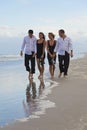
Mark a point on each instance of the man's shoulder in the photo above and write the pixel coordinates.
(59, 38)
(34, 37)
(68, 38)
(25, 37)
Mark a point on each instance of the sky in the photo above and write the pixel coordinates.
(18, 16)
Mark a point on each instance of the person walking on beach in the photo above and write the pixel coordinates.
(41, 54)
(29, 43)
(51, 43)
(65, 50)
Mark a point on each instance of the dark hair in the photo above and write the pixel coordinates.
(30, 32)
(52, 34)
(61, 31)
(42, 34)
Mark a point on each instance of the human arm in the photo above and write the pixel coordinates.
(35, 47)
(22, 48)
(56, 48)
(44, 45)
(48, 49)
(70, 48)
(72, 53)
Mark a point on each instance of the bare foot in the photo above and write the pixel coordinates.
(30, 76)
(65, 76)
(52, 76)
(39, 76)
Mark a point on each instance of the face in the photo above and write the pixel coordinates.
(50, 36)
(30, 35)
(40, 36)
(61, 34)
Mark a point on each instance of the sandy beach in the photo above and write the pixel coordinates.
(70, 98)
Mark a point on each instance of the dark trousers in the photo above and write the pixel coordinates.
(64, 63)
(30, 63)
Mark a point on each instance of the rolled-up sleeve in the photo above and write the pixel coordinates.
(23, 45)
(56, 47)
(35, 45)
(70, 45)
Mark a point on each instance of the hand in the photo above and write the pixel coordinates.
(42, 56)
(51, 56)
(71, 54)
(54, 55)
(33, 56)
(21, 53)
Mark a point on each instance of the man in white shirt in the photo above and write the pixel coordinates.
(65, 50)
(29, 44)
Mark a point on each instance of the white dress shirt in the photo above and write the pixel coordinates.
(63, 45)
(29, 44)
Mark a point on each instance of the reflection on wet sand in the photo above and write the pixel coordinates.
(32, 93)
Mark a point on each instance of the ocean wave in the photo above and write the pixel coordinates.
(6, 58)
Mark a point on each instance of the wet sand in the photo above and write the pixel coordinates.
(70, 98)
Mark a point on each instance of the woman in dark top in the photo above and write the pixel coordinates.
(51, 43)
(41, 54)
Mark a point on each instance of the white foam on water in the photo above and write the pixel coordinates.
(48, 90)
(43, 105)
(22, 120)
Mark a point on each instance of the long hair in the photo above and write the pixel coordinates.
(42, 34)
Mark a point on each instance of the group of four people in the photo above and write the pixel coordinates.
(35, 49)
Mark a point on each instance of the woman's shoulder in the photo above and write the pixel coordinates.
(38, 41)
(55, 42)
(48, 41)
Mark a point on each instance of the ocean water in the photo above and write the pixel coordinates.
(19, 99)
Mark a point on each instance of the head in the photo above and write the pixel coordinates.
(41, 35)
(51, 35)
(61, 33)
(30, 33)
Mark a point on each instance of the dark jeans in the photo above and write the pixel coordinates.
(30, 60)
(64, 63)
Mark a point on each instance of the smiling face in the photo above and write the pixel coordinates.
(40, 35)
(51, 36)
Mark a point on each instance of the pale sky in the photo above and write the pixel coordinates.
(17, 16)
